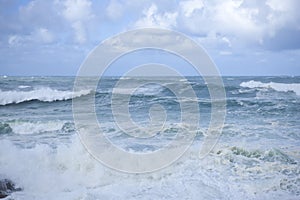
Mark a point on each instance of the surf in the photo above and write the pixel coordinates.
(42, 94)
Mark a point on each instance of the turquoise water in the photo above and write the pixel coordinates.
(257, 155)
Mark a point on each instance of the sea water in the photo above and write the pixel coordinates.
(257, 155)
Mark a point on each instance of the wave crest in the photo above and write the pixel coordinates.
(280, 87)
(42, 94)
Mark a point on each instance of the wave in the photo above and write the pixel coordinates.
(42, 94)
(257, 165)
(24, 86)
(147, 90)
(25, 128)
(67, 168)
(69, 172)
(273, 155)
(280, 87)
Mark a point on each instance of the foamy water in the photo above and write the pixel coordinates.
(257, 156)
(281, 87)
(41, 94)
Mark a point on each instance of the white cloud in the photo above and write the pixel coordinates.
(225, 53)
(40, 13)
(39, 35)
(221, 24)
(14, 40)
(237, 26)
(246, 21)
(80, 32)
(41, 21)
(188, 7)
(114, 10)
(227, 41)
(44, 35)
(78, 12)
(282, 14)
(232, 18)
(278, 5)
(152, 18)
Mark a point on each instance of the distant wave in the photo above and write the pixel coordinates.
(23, 86)
(281, 87)
(42, 94)
(147, 90)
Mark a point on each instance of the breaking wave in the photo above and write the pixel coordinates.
(280, 87)
(42, 94)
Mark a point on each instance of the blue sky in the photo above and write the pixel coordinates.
(243, 37)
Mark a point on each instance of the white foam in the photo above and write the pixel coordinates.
(69, 172)
(41, 94)
(45, 173)
(37, 127)
(143, 90)
(23, 86)
(281, 87)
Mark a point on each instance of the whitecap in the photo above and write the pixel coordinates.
(24, 128)
(41, 94)
(23, 86)
(280, 87)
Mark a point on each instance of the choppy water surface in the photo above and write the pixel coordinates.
(257, 156)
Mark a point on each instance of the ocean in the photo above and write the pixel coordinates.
(257, 156)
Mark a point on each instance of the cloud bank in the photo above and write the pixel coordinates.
(233, 31)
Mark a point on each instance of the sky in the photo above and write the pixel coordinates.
(242, 37)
